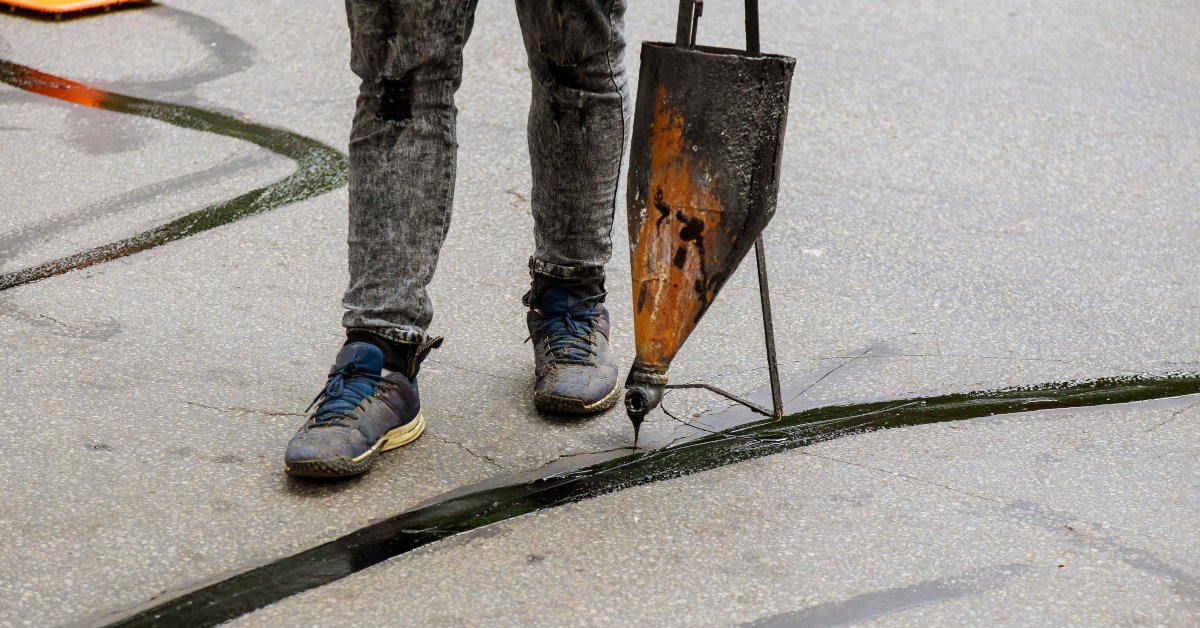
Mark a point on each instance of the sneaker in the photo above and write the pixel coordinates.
(359, 415)
(574, 371)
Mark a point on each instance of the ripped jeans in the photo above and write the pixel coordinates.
(408, 54)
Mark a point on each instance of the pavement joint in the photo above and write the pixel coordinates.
(744, 371)
(467, 508)
(835, 369)
(576, 454)
(694, 424)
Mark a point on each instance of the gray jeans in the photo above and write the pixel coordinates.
(408, 54)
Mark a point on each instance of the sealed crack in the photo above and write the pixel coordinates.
(499, 499)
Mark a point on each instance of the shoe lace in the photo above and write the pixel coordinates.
(341, 395)
(568, 332)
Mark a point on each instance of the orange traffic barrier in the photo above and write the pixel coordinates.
(64, 6)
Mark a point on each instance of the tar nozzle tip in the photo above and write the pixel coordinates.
(643, 393)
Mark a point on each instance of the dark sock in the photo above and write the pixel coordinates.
(585, 287)
(396, 356)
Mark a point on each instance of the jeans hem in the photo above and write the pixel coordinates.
(558, 271)
(399, 335)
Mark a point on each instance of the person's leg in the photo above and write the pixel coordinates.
(577, 132)
(408, 54)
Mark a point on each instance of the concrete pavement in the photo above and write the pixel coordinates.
(975, 195)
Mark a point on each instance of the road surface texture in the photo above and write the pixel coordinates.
(974, 195)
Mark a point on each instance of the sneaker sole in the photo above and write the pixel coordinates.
(552, 404)
(347, 467)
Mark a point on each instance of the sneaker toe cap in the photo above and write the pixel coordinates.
(587, 385)
(325, 444)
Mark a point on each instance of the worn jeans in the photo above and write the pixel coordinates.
(408, 54)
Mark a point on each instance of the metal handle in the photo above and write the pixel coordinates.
(752, 46)
(689, 21)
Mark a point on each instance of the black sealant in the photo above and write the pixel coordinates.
(464, 510)
(319, 168)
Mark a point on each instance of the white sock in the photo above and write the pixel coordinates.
(385, 371)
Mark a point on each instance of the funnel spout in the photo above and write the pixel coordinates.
(640, 399)
(643, 393)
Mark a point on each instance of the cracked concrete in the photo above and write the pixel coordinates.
(243, 411)
(1175, 415)
(468, 450)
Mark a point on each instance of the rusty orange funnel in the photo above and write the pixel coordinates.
(703, 178)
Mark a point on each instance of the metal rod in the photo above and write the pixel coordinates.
(689, 21)
(752, 44)
(764, 294)
(726, 394)
(683, 27)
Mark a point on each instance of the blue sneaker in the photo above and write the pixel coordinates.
(574, 372)
(359, 415)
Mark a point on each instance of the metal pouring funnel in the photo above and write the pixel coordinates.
(703, 179)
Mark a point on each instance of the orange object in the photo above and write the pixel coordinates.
(706, 144)
(64, 6)
(674, 258)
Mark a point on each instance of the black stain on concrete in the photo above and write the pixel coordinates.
(868, 606)
(18, 241)
(320, 168)
(97, 133)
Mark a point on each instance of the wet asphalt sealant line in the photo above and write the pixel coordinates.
(320, 168)
(494, 500)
